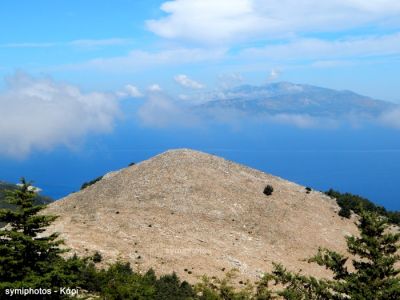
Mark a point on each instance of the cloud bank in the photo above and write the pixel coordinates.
(315, 49)
(210, 21)
(88, 43)
(39, 113)
(138, 60)
(391, 119)
(130, 91)
(187, 82)
(161, 110)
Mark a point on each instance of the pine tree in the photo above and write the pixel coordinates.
(375, 275)
(28, 259)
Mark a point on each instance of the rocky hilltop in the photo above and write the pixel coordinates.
(196, 214)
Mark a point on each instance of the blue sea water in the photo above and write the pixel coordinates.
(364, 161)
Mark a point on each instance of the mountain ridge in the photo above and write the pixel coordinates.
(286, 97)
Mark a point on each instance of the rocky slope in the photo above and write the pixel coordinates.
(195, 214)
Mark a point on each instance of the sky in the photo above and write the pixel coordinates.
(103, 45)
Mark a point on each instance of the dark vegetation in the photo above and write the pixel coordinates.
(373, 275)
(119, 281)
(30, 261)
(349, 202)
(268, 190)
(97, 257)
(91, 182)
(5, 186)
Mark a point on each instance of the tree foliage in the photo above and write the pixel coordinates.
(268, 190)
(349, 202)
(374, 273)
(91, 182)
(27, 258)
(4, 203)
(225, 288)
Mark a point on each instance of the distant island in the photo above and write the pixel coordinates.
(290, 98)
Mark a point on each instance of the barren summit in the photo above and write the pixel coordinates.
(195, 213)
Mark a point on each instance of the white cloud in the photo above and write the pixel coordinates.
(274, 74)
(317, 49)
(391, 118)
(210, 21)
(293, 50)
(130, 91)
(159, 110)
(185, 81)
(331, 63)
(184, 97)
(39, 113)
(137, 60)
(154, 88)
(206, 20)
(84, 43)
(230, 80)
(298, 120)
(93, 43)
(133, 91)
(28, 45)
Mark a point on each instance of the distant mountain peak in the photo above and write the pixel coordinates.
(292, 98)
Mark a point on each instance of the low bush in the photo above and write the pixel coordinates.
(268, 190)
(97, 257)
(91, 182)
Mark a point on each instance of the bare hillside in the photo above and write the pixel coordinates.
(189, 210)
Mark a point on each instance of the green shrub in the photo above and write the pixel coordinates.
(91, 182)
(225, 288)
(349, 202)
(170, 287)
(345, 212)
(97, 257)
(268, 190)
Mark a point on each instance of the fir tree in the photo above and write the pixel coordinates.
(375, 276)
(28, 259)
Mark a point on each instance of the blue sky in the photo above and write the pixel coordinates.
(69, 63)
(103, 45)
